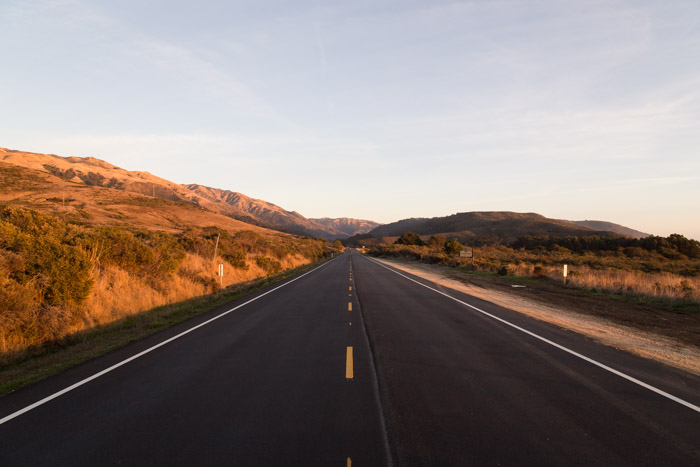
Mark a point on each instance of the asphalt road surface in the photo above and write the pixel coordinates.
(288, 377)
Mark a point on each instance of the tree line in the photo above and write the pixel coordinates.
(671, 247)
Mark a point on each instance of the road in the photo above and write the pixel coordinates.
(288, 377)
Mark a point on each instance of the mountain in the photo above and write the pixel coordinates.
(73, 201)
(499, 226)
(92, 172)
(610, 227)
(267, 213)
(347, 226)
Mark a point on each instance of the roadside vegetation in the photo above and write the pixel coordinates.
(661, 268)
(58, 278)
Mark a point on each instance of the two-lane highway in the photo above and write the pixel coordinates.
(287, 377)
(266, 384)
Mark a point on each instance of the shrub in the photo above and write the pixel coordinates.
(270, 266)
(236, 259)
(409, 238)
(61, 270)
(436, 242)
(453, 247)
(119, 247)
(504, 270)
(168, 253)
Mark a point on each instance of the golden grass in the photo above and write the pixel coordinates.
(118, 294)
(658, 285)
(605, 273)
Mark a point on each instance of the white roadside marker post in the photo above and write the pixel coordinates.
(221, 274)
(566, 273)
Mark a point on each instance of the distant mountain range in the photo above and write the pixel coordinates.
(347, 226)
(94, 172)
(495, 226)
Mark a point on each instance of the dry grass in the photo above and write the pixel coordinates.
(118, 294)
(658, 285)
(601, 273)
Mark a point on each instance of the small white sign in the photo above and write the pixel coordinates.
(466, 253)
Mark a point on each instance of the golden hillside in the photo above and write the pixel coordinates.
(25, 182)
(92, 172)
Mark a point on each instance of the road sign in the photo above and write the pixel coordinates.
(466, 253)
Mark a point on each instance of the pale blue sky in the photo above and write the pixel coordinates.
(374, 109)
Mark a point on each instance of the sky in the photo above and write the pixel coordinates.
(379, 109)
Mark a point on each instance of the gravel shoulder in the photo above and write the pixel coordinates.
(649, 330)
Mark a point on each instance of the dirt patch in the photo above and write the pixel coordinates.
(649, 330)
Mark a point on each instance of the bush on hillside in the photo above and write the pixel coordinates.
(270, 266)
(409, 238)
(453, 247)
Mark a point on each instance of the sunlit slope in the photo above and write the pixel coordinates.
(92, 172)
(266, 213)
(75, 201)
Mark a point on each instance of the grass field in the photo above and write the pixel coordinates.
(650, 275)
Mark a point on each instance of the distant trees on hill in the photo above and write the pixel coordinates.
(671, 247)
(436, 242)
(409, 238)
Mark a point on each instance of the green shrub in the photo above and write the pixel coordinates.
(409, 238)
(168, 253)
(61, 269)
(270, 266)
(236, 259)
(453, 247)
(119, 247)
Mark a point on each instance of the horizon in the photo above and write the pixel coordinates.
(379, 111)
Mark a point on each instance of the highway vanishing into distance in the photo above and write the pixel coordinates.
(354, 363)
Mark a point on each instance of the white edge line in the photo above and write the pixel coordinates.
(141, 354)
(559, 346)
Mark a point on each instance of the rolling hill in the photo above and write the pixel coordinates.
(81, 245)
(97, 205)
(498, 226)
(267, 214)
(96, 173)
(610, 227)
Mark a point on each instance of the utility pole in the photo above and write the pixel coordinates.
(216, 247)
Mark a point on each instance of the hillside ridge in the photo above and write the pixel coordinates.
(95, 172)
(488, 227)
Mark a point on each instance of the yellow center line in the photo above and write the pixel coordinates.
(349, 462)
(349, 288)
(348, 364)
(349, 306)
